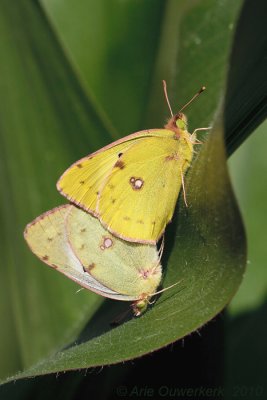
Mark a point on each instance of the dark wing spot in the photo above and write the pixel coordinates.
(119, 164)
(83, 230)
(153, 223)
(82, 182)
(45, 258)
(79, 165)
(140, 221)
(127, 218)
(50, 239)
(89, 268)
(173, 156)
(111, 186)
(112, 200)
(82, 246)
(120, 154)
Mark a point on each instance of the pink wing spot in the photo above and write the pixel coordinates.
(107, 243)
(144, 273)
(136, 183)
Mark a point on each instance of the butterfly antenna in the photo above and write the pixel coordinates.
(193, 98)
(166, 96)
(167, 288)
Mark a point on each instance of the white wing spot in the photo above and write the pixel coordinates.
(107, 243)
(136, 183)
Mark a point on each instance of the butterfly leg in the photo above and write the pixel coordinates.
(183, 186)
(194, 139)
(200, 129)
(161, 250)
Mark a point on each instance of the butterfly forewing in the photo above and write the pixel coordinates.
(131, 185)
(82, 181)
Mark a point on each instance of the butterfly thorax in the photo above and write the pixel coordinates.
(177, 124)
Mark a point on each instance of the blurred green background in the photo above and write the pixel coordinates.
(248, 167)
(70, 68)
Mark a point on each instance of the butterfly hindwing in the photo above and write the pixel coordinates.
(127, 268)
(139, 196)
(75, 243)
(46, 236)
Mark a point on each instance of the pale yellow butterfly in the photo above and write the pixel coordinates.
(76, 244)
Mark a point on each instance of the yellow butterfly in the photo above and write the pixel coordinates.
(132, 185)
(76, 244)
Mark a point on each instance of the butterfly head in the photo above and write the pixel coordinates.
(180, 121)
(177, 123)
(140, 305)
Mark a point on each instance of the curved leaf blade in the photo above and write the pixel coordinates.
(208, 257)
(172, 307)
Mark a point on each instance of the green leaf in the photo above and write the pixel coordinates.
(42, 109)
(207, 255)
(48, 121)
